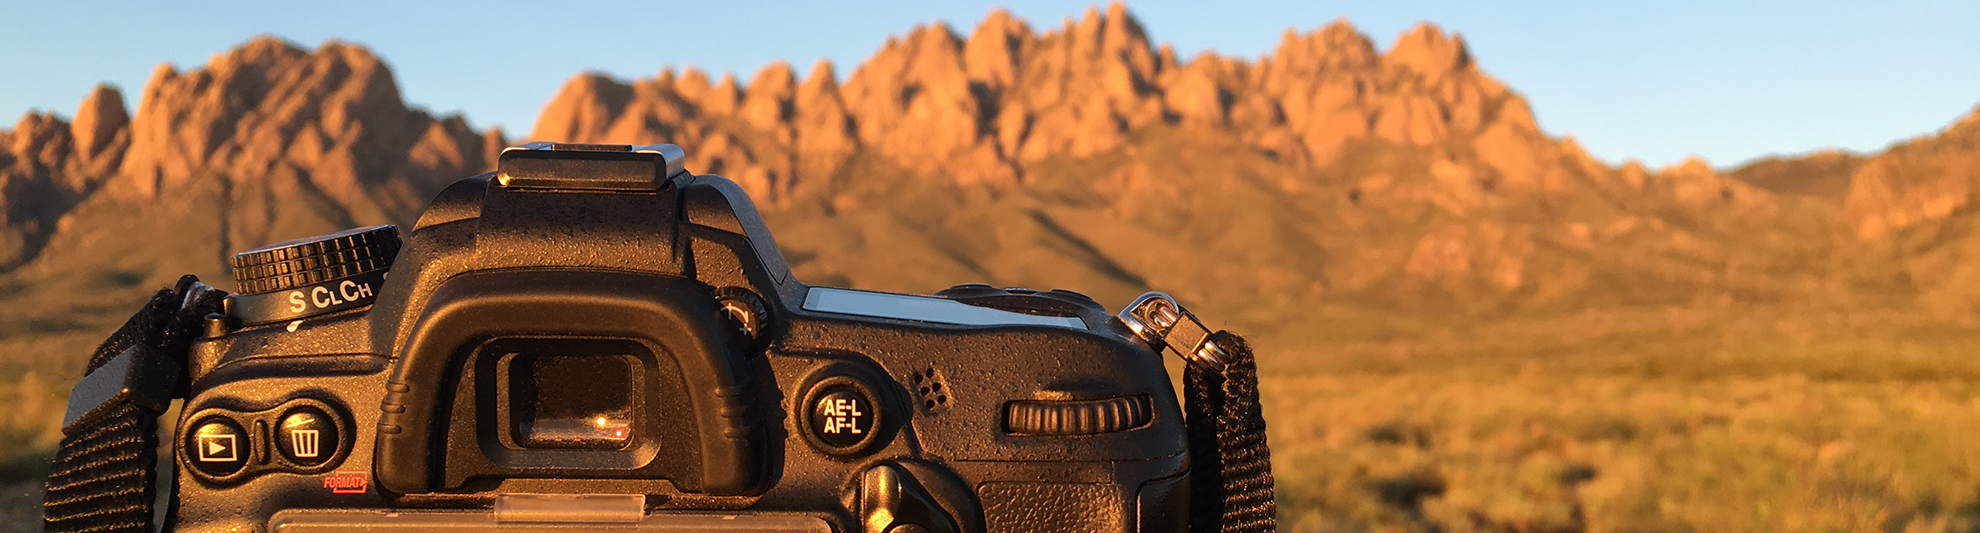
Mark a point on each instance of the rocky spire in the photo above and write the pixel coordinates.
(100, 121)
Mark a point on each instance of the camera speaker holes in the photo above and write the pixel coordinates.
(934, 390)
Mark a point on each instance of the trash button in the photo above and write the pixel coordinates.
(307, 436)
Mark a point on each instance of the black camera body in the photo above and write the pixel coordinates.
(592, 338)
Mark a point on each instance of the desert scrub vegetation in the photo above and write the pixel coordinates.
(1431, 452)
(30, 426)
(1671, 422)
(32, 418)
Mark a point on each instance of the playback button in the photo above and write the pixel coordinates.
(219, 447)
(307, 436)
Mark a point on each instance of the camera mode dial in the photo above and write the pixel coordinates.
(311, 276)
(312, 260)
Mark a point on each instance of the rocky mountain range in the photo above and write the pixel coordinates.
(987, 107)
(1326, 174)
(270, 123)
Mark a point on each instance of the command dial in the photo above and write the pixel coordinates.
(1077, 417)
(313, 260)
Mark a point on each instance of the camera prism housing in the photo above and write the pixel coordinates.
(593, 338)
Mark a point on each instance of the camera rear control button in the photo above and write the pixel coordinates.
(842, 416)
(307, 436)
(219, 447)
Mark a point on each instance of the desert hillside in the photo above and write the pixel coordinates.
(1441, 288)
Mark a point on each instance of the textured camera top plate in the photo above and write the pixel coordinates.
(923, 309)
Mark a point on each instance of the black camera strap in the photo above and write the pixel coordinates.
(1230, 481)
(104, 475)
(1231, 484)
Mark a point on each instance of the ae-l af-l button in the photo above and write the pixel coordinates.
(843, 416)
(219, 447)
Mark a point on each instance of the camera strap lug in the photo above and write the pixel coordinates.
(1230, 483)
(1163, 323)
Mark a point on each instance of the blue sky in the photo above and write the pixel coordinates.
(1654, 81)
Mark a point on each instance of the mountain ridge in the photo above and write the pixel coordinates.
(980, 108)
(1328, 169)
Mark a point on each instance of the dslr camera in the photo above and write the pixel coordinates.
(592, 338)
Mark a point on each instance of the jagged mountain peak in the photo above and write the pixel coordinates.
(992, 52)
(264, 103)
(268, 113)
(1338, 44)
(99, 120)
(1427, 50)
(822, 74)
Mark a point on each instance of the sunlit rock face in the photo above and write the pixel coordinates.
(267, 117)
(982, 108)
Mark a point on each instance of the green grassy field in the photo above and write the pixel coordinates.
(1720, 418)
